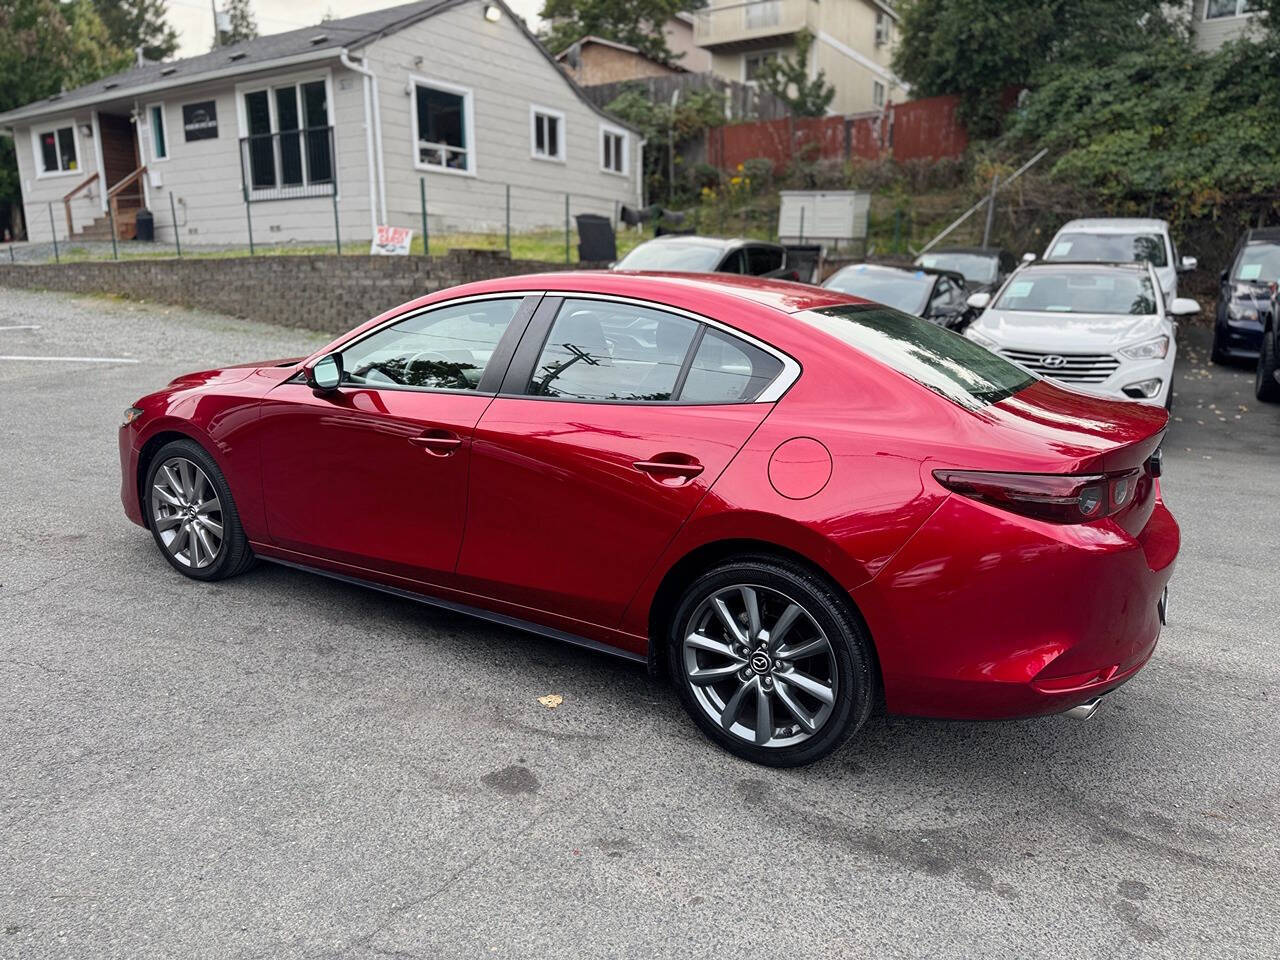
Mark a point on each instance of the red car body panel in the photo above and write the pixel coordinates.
(539, 513)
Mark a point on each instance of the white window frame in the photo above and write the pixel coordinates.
(609, 129)
(884, 29)
(151, 134)
(878, 93)
(1228, 16)
(37, 155)
(468, 117)
(269, 85)
(536, 111)
(763, 55)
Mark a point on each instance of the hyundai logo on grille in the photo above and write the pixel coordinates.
(1054, 361)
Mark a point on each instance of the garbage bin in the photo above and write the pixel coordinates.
(144, 226)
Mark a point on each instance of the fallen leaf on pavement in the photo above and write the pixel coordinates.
(551, 700)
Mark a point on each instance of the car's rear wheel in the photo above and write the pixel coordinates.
(770, 661)
(1266, 388)
(192, 515)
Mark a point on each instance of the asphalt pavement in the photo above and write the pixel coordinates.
(283, 766)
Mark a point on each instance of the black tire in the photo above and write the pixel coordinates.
(1265, 387)
(1217, 354)
(233, 556)
(847, 660)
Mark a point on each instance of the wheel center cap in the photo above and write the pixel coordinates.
(761, 663)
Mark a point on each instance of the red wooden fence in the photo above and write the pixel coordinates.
(917, 129)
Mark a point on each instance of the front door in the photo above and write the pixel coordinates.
(628, 416)
(374, 474)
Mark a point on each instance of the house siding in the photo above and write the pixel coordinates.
(1211, 34)
(506, 74)
(40, 194)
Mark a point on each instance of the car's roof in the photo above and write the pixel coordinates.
(722, 243)
(1116, 225)
(673, 287)
(980, 251)
(1263, 234)
(888, 268)
(1069, 264)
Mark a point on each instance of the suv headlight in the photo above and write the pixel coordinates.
(1155, 349)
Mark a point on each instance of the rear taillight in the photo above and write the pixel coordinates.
(1052, 497)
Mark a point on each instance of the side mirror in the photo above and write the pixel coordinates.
(979, 301)
(1226, 275)
(326, 373)
(1028, 258)
(1184, 307)
(1188, 264)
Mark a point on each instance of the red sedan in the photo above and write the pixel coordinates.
(793, 502)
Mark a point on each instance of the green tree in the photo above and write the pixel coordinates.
(663, 126)
(139, 23)
(47, 46)
(787, 77)
(637, 23)
(977, 49)
(241, 24)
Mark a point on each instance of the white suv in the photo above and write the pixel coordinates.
(1120, 240)
(1100, 328)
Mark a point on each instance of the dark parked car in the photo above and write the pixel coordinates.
(693, 254)
(983, 268)
(936, 295)
(1247, 298)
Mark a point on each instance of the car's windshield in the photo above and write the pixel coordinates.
(902, 291)
(1110, 248)
(676, 255)
(1259, 261)
(934, 357)
(1119, 290)
(977, 268)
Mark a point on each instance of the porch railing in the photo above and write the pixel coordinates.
(288, 164)
(124, 200)
(66, 200)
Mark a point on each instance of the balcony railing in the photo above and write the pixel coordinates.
(728, 24)
(288, 164)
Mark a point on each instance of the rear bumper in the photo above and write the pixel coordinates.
(985, 615)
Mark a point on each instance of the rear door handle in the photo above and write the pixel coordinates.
(661, 469)
(439, 444)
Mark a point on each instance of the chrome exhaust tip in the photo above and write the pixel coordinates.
(1085, 710)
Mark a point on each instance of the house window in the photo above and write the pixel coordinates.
(613, 150)
(56, 150)
(443, 128)
(547, 133)
(159, 139)
(1214, 9)
(883, 28)
(753, 64)
(877, 93)
(289, 140)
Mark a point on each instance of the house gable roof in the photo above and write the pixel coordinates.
(321, 42)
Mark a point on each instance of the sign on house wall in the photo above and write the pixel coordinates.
(200, 120)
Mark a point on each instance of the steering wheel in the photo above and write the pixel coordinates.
(433, 356)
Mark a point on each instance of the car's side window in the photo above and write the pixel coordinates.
(442, 349)
(941, 295)
(733, 263)
(601, 350)
(762, 260)
(728, 370)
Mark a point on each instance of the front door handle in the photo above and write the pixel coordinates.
(670, 469)
(439, 443)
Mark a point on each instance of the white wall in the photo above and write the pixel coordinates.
(506, 74)
(40, 190)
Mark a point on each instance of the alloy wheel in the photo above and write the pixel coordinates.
(760, 666)
(186, 513)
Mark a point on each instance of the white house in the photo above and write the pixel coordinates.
(354, 116)
(1215, 22)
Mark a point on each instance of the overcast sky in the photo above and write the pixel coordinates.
(193, 19)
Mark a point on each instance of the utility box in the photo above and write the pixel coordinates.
(828, 217)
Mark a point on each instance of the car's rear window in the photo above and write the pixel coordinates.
(933, 356)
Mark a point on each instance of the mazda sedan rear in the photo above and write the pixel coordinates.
(792, 502)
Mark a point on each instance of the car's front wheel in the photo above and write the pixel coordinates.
(192, 515)
(770, 661)
(1265, 387)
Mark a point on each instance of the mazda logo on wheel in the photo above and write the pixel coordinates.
(761, 663)
(1054, 361)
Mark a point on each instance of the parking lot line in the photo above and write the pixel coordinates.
(76, 359)
(22, 326)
